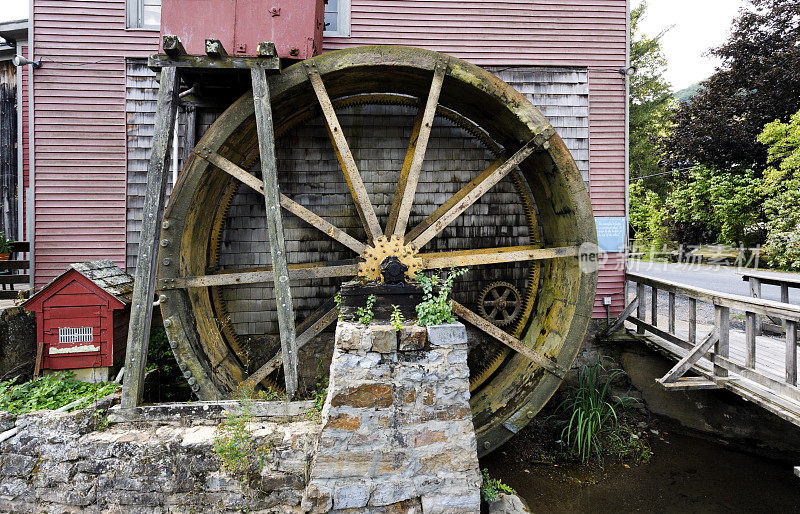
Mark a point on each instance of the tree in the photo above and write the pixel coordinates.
(781, 190)
(757, 82)
(650, 96)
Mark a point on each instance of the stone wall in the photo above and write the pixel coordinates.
(398, 408)
(62, 462)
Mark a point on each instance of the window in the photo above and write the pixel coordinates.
(144, 14)
(337, 18)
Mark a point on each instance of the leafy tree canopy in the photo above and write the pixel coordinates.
(757, 82)
(650, 95)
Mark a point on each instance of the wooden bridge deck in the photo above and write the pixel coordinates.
(769, 362)
(757, 367)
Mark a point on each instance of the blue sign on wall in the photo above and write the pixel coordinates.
(611, 233)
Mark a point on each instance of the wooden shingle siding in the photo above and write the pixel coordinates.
(562, 95)
(607, 142)
(492, 32)
(79, 130)
(24, 100)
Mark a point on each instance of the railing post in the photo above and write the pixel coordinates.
(654, 306)
(722, 322)
(750, 340)
(692, 320)
(641, 309)
(671, 313)
(784, 298)
(755, 292)
(791, 352)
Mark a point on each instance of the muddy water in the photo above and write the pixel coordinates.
(686, 474)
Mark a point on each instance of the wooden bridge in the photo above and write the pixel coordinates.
(759, 368)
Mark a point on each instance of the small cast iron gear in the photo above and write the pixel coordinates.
(500, 303)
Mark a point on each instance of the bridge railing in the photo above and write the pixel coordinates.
(719, 338)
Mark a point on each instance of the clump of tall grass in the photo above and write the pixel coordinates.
(592, 411)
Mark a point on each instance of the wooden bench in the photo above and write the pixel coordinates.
(716, 254)
(15, 271)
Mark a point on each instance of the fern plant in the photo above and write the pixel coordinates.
(492, 488)
(436, 307)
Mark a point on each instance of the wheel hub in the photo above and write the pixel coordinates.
(369, 266)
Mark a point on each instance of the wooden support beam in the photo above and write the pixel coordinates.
(468, 195)
(654, 306)
(722, 326)
(750, 339)
(494, 256)
(277, 245)
(690, 384)
(690, 359)
(671, 313)
(258, 275)
(412, 166)
(755, 292)
(622, 317)
(287, 203)
(791, 352)
(641, 309)
(215, 49)
(692, 320)
(172, 45)
(348, 164)
(507, 339)
(145, 274)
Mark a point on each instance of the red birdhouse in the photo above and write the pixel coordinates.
(82, 320)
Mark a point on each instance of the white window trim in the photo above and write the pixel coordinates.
(343, 21)
(135, 16)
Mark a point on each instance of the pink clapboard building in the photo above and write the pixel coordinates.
(86, 115)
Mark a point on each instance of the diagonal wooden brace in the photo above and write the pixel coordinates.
(690, 359)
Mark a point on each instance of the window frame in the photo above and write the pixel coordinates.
(342, 21)
(134, 16)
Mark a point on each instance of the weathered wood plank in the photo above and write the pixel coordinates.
(145, 274)
(269, 173)
(641, 308)
(791, 353)
(287, 203)
(690, 359)
(468, 195)
(508, 340)
(364, 206)
(494, 256)
(722, 326)
(654, 306)
(692, 320)
(671, 313)
(750, 339)
(412, 166)
(234, 277)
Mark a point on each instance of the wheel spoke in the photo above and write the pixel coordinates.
(287, 203)
(508, 340)
(348, 164)
(256, 275)
(468, 195)
(412, 166)
(494, 256)
(311, 327)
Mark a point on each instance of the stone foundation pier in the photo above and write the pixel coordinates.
(397, 430)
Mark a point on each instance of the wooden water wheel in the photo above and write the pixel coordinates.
(381, 151)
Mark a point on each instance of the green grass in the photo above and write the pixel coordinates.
(49, 392)
(592, 412)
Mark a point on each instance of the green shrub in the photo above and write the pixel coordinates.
(592, 411)
(50, 392)
(781, 192)
(436, 308)
(365, 314)
(234, 444)
(5, 244)
(491, 488)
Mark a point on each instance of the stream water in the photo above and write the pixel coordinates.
(686, 474)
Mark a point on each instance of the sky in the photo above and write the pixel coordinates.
(697, 25)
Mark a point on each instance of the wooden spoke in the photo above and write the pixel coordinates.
(469, 194)
(494, 256)
(365, 209)
(256, 275)
(307, 330)
(508, 340)
(412, 166)
(287, 203)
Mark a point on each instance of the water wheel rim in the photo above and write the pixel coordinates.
(519, 388)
